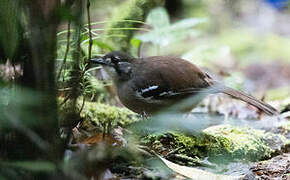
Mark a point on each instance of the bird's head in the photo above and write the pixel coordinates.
(117, 64)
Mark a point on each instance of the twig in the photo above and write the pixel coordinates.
(124, 20)
(83, 104)
(173, 151)
(65, 100)
(189, 160)
(66, 50)
(90, 31)
(89, 49)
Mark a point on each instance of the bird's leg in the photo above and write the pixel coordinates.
(104, 130)
(109, 125)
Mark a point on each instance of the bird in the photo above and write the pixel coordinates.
(151, 84)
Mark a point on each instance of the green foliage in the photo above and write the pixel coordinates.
(17, 107)
(164, 33)
(158, 18)
(89, 86)
(196, 8)
(131, 10)
(36, 166)
(9, 29)
(20, 110)
(136, 46)
(117, 29)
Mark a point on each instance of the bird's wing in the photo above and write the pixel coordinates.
(160, 78)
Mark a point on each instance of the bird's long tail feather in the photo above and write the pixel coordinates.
(216, 87)
(268, 109)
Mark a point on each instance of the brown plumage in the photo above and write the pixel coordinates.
(154, 83)
(266, 108)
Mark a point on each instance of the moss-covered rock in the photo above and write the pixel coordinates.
(249, 143)
(216, 142)
(284, 129)
(219, 142)
(95, 115)
(99, 115)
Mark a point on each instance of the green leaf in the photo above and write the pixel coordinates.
(5, 96)
(8, 27)
(163, 33)
(96, 47)
(32, 165)
(186, 23)
(158, 18)
(136, 42)
(103, 45)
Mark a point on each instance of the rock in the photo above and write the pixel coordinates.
(98, 115)
(275, 168)
(222, 142)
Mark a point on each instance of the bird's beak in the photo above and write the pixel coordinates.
(102, 61)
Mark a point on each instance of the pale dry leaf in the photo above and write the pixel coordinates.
(196, 174)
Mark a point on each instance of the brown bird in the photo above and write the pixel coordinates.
(148, 85)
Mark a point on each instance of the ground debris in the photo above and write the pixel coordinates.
(275, 168)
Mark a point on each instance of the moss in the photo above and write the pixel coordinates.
(220, 142)
(159, 142)
(95, 115)
(99, 114)
(286, 127)
(237, 142)
(130, 10)
(216, 142)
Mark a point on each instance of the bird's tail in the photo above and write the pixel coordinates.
(268, 109)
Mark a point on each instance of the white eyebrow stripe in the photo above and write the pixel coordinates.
(149, 89)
